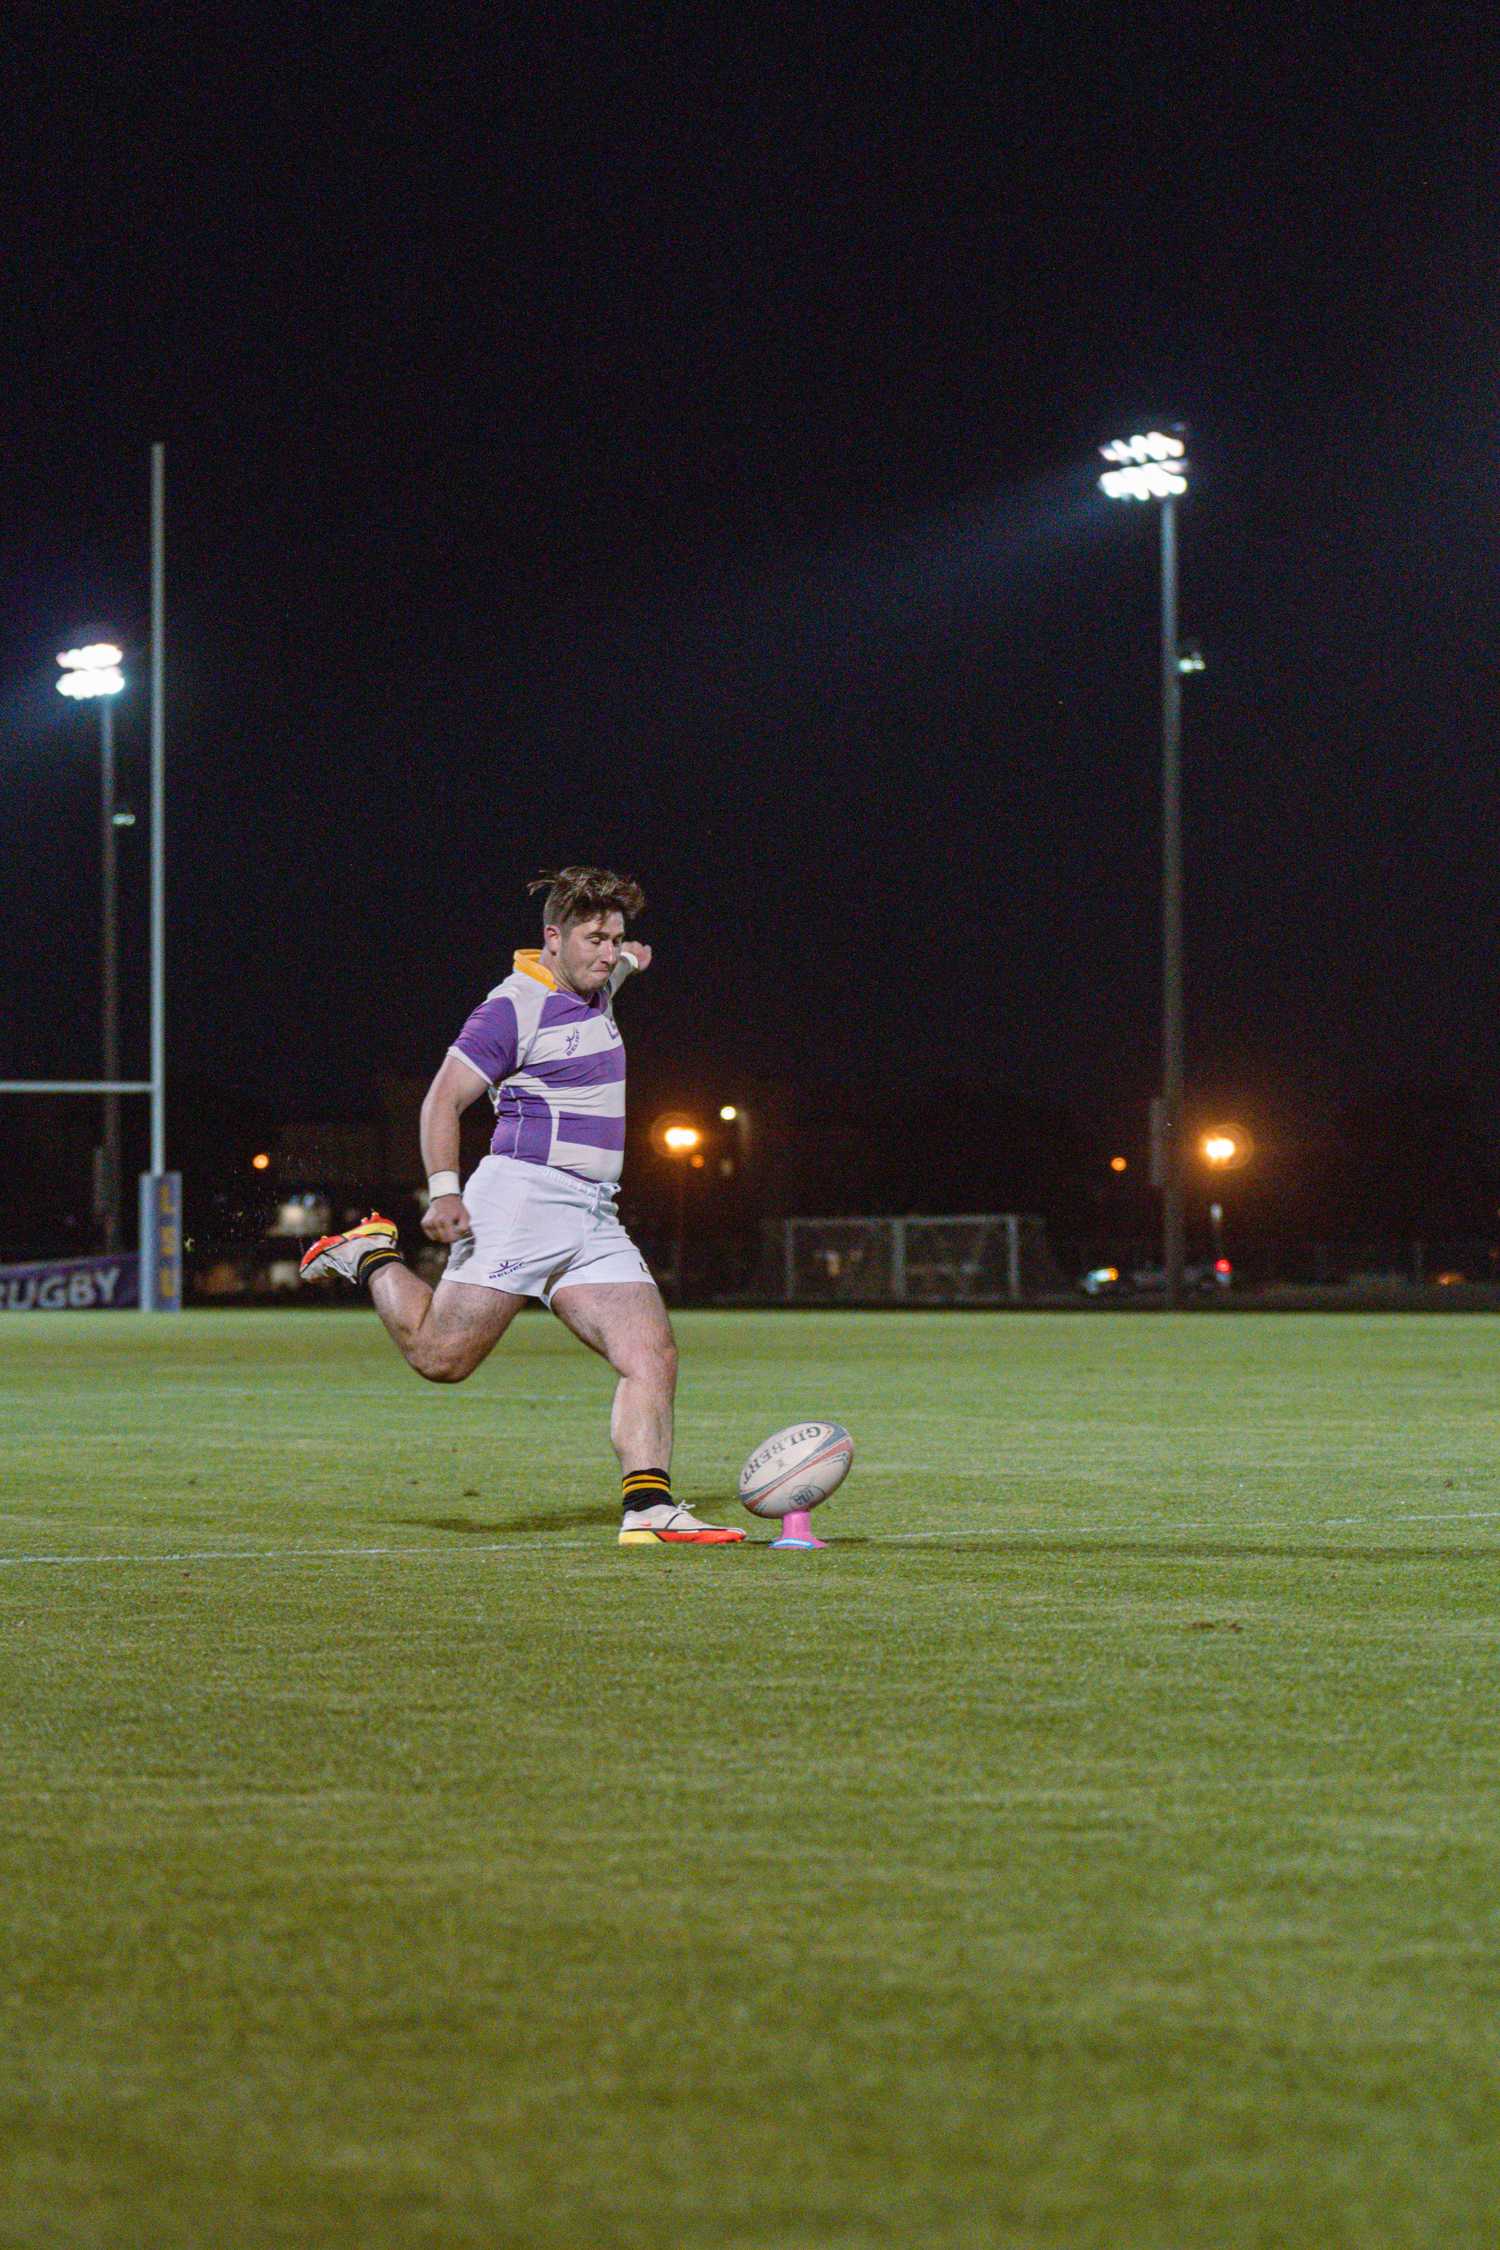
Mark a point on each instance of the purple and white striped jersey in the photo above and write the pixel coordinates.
(556, 1067)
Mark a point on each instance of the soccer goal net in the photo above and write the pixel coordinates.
(977, 1258)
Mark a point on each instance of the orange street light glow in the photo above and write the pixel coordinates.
(680, 1138)
(261, 1163)
(1118, 1164)
(729, 1113)
(1220, 1148)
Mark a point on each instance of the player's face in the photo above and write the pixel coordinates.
(588, 951)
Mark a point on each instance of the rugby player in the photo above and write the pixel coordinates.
(537, 1217)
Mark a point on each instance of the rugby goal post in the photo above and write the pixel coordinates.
(160, 1190)
(159, 1287)
(966, 1258)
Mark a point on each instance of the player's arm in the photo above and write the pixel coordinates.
(457, 1086)
(633, 957)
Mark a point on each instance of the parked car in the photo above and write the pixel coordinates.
(1206, 1277)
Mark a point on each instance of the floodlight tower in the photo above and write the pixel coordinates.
(93, 674)
(1154, 467)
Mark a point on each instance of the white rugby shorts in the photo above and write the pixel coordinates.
(537, 1229)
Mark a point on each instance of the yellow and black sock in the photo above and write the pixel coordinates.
(645, 1488)
(372, 1261)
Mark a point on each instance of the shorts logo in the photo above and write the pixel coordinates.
(506, 1265)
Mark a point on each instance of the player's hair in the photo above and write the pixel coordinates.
(577, 894)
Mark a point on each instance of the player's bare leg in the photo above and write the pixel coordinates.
(444, 1333)
(627, 1324)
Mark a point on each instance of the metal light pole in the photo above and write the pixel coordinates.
(110, 1198)
(94, 674)
(1172, 1064)
(158, 816)
(1154, 467)
(160, 1190)
(680, 1141)
(679, 1254)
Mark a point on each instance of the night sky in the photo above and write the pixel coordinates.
(667, 437)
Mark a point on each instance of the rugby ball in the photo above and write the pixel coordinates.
(796, 1469)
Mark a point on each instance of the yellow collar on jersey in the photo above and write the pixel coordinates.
(529, 964)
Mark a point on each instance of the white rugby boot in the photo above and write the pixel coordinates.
(668, 1524)
(345, 1254)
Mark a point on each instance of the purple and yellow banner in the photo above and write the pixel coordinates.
(71, 1285)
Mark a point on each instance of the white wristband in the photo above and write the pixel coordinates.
(442, 1183)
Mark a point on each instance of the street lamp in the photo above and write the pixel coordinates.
(1228, 1148)
(1154, 466)
(678, 1138)
(743, 1125)
(1223, 1148)
(93, 674)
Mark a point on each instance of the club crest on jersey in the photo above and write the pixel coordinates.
(570, 1045)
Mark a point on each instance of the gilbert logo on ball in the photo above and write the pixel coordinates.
(794, 1472)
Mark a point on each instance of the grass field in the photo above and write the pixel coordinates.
(1097, 1845)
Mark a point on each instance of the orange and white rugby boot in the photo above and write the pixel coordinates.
(346, 1254)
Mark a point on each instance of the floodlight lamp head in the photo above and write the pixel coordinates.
(1156, 445)
(90, 671)
(1150, 466)
(81, 685)
(1152, 483)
